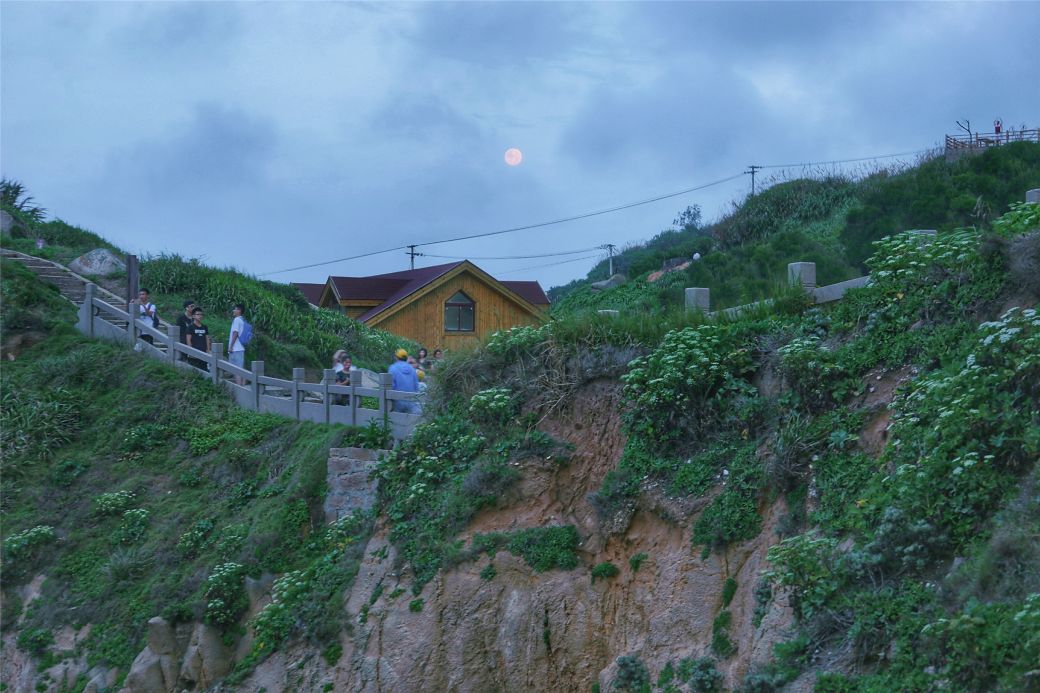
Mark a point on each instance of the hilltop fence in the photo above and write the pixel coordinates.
(322, 402)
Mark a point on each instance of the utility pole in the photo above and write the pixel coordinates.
(610, 248)
(411, 255)
(751, 169)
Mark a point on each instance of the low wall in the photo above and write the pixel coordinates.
(322, 402)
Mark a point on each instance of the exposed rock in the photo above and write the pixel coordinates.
(348, 478)
(151, 673)
(206, 660)
(7, 222)
(161, 639)
(100, 262)
(614, 281)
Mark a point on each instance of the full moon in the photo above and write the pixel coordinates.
(514, 156)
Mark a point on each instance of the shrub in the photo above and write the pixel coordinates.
(632, 675)
(21, 545)
(729, 589)
(35, 424)
(114, 503)
(225, 594)
(636, 561)
(811, 566)
(193, 540)
(700, 674)
(488, 572)
(605, 570)
(35, 640)
(416, 605)
(720, 640)
(133, 526)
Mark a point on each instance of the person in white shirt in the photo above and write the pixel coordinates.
(146, 314)
(237, 350)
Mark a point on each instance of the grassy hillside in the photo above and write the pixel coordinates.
(289, 331)
(134, 487)
(912, 569)
(831, 221)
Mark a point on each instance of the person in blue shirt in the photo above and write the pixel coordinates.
(404, 379)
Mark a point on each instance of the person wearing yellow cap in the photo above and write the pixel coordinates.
(404, 379)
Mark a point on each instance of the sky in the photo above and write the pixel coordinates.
(267, 135)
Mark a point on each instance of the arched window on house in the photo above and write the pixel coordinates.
(459, 313)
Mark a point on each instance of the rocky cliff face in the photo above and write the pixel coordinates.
(558, 630)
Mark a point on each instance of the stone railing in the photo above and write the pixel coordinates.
(322, 402)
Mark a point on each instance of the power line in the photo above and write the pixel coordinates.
(845, 161)
(512, 257)
(514, 229)
(586, 215)
(549, 264)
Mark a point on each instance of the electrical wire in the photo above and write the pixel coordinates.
(514, 229)
(586, 215)
(550, 264)
(846, 161)
(513, 257)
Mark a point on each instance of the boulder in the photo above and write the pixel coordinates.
(151, 673)
(206, 660)
(7, 222)
(616, 280)
(161, 639)
(100, 262)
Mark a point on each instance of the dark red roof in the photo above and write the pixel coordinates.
(393, 287)
(529, 291)
(311, 292)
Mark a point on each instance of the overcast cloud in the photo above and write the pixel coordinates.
(270, 135)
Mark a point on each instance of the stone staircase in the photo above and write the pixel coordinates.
(71, 285)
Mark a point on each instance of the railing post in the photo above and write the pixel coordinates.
(297, 378)
(330, 377)
(131, 324)
(698, 299)
(86, 311)
(353, 400)
(174, 333)
(385, 382)
(802, 273)
(216, 352)
(1031, 196)
(258, 389)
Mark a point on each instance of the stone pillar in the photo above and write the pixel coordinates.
(86, 311)
(258, 389)
(698, 299)
(1033, 195)
(216, 353)
(297, 378)
(803, 273)
(329, 379)
(174, 333)
(386, 381)
(354, 399)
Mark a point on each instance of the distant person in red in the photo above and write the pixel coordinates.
(997, 125)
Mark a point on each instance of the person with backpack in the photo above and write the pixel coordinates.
(241, 335)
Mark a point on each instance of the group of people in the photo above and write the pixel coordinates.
(408, 373)
(193, 332)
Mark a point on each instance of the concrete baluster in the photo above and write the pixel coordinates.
(354, 399)
(329, 379)
(698, 299)
(216, 353)
(258, 389)
(386, 381)
(1033, 195)
(297, 378)
(173, 333)
(802, 273)
(86, 311)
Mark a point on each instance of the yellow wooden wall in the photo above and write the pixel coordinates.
(423, 320)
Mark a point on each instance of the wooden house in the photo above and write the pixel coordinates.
(438, 307)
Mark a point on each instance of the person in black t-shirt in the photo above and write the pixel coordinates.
(184, 322)
(198, 335)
